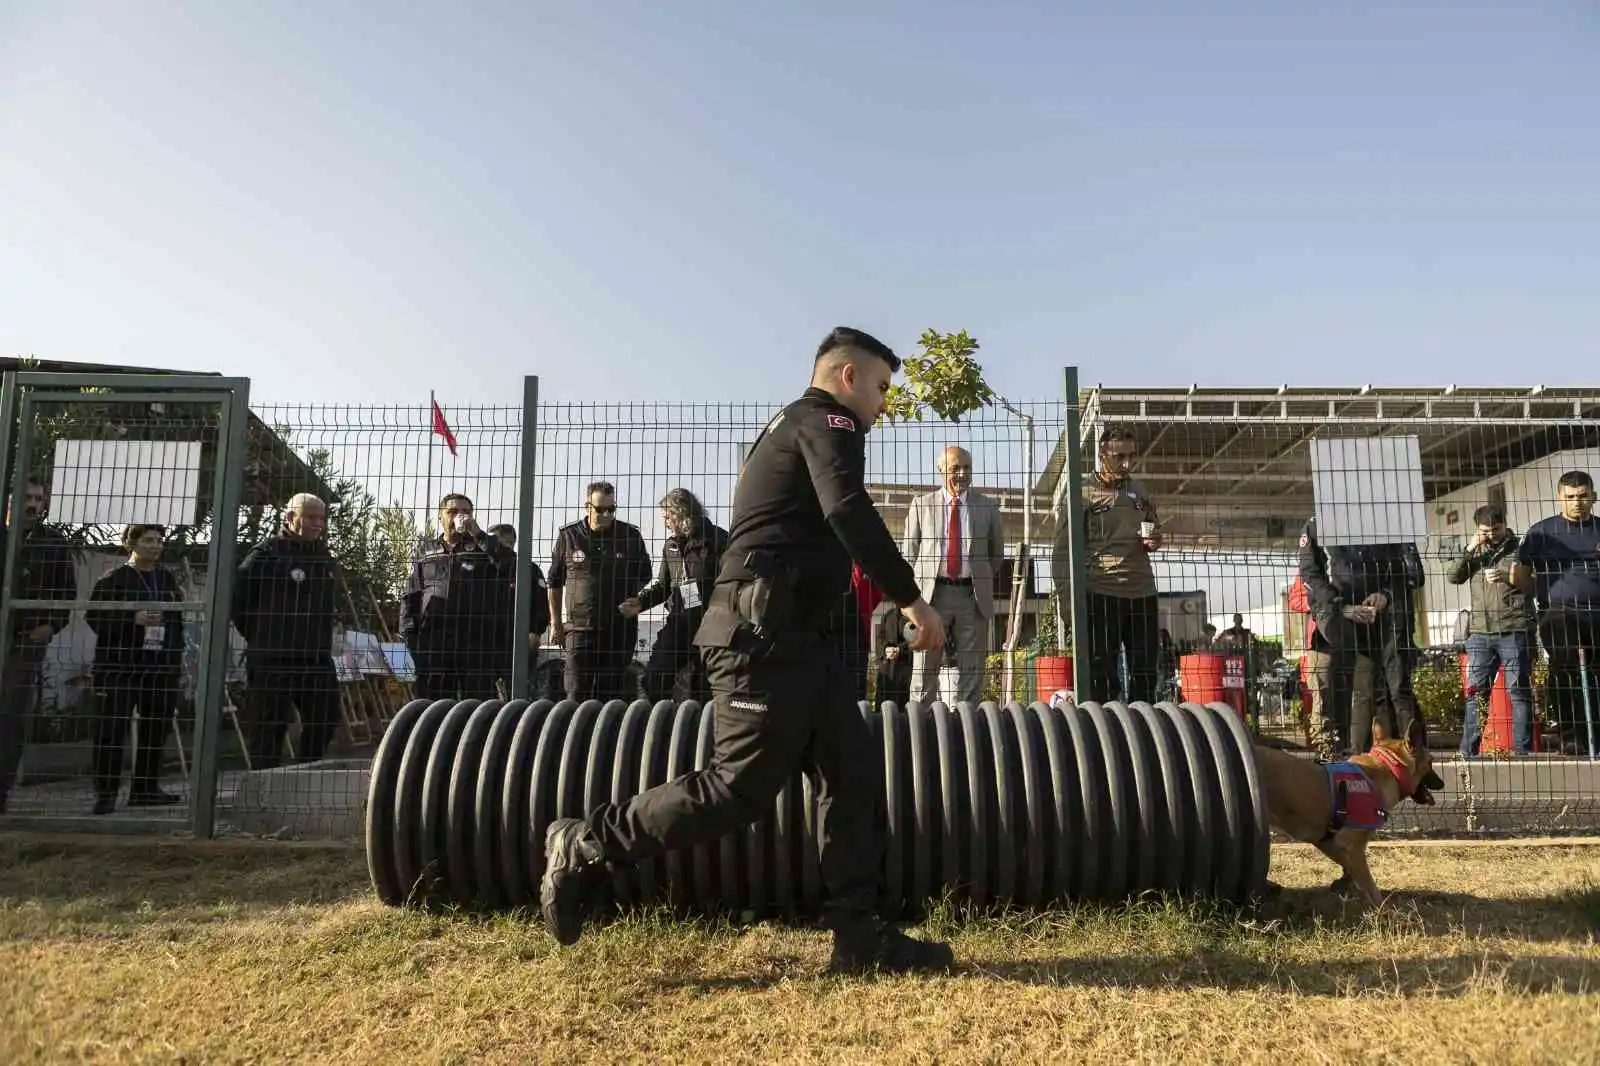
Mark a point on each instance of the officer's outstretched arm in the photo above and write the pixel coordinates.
(836, 458)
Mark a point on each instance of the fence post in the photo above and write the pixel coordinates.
(211, 689)
(526, 589)
(1077, 536)
(8, 418)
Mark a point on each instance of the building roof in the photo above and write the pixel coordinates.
(273, 471)
(1232, 467)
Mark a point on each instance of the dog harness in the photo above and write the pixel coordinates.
(1356, 803)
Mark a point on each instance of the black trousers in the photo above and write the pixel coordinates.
(597, 662)
(1563, 635)
(448, 674)
(1118, 625)
(675, 671)
(19, 689)
(792, 710)
(276, 692)
(155, 695)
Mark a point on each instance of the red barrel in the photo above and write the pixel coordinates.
(1498, 724)
(1206, 677)
(1050, 674)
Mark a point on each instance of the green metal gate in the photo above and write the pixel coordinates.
(101, 452)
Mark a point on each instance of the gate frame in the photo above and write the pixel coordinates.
(20, 391)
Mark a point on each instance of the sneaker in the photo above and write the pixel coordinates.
(877, 946)
(571, 867)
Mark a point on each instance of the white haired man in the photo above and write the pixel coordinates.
(954, 541)
(283, 605)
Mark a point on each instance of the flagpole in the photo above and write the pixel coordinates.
(427, 509)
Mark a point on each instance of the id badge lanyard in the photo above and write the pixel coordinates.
(154, 636)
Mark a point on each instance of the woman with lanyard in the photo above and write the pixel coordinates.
(138, 661)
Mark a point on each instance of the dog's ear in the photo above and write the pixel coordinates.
(1379, 734)
(1417, 734)
(1432, 780)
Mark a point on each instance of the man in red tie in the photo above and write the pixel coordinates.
(954, 541)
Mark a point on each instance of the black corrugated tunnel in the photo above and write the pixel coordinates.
(1018, 805)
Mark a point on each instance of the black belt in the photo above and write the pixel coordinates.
(959, 582)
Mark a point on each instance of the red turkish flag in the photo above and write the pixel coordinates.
(441, 428)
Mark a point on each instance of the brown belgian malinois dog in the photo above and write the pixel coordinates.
(1338, 806)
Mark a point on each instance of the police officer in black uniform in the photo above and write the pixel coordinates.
(453, 613)
(689, 561)
(784, 699)
(539, 617)
(45, 571)
(1362, 597)
(284, 602)
(605, 562)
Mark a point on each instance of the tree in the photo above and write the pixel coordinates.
(943, 377)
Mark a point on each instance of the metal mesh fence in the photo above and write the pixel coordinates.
(1445, 576)
(1324, 560)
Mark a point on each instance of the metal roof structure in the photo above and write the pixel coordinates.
(273, 470)
(1231, 468)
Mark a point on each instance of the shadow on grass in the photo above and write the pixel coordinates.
(1434, 976)
(177, 875)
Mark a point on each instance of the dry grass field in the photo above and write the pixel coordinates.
(181, 952)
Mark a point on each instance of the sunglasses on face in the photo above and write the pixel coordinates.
(603, 510)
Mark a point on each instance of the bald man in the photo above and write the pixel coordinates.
(283, 606)
(954, 541)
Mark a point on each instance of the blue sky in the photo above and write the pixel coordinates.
(362, 201)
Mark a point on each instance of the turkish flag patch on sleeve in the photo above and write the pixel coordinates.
(840, 422)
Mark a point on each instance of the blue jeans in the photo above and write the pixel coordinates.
(1486, 654)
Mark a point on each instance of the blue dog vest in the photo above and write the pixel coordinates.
(1356, 803)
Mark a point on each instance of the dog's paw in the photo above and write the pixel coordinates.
(1343, 886)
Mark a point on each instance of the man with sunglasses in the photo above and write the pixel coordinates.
(604, 562)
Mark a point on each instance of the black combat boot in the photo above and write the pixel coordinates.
(868, 944)
(572, 868)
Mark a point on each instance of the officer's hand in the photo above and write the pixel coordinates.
(930, 627)
(1359, 614)
(1377, 601)
(630, 607)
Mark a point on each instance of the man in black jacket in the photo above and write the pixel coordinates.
(284, 605)
(45, 571)
(538, 618)
(784, 700)
(453, 613)
(689, 561)
(595, 566)
(1362, 597)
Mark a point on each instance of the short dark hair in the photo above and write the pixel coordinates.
(604, 488)
(1575, 479)
(1490, 514)
(850, 337)
(1112, 434)
(132, 534)
(447, 497)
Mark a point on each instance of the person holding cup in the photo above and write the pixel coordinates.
(452, 615)
(1123, 530)
(138, 661)
(1501, 630)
